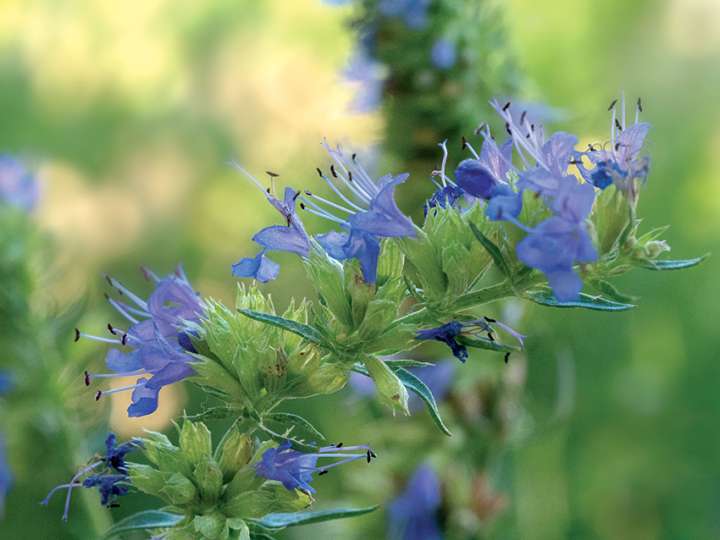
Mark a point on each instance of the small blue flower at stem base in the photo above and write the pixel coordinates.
(413, 515)
(295, 469)
(356, 245)
(6, 477)
(108, 473)
(446, 333)
(18, 186)
(444, 196)
(443, 54)
(259, 267)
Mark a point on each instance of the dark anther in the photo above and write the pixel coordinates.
(267, 190)
(527, 136)
(124, 339)
(111, 329)
(109, 280)
(339, 445)
(617, 146)
(532, 127)
(612, 104)
(350, 176)
(507, 357)
(319, 171)
(308, 193)
(575, 162)
(591, 147)
(639, 105)
(302, 206)
(332, 171)
(145, 273)
(77, 334)
(522, 117)
(324, 471)
(87, 378)
(507, 128)
(506, 106)
(372, 454)
(463, 146)
(491, 337)
(617, 124)
(488, 319)
(272, 174)
(479, 129)
(114, 505)
(353, 157)
(297, 194)
(98, 394)
(369, 456)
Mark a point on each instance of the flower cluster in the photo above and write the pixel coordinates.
(155, 345)
(107, 473)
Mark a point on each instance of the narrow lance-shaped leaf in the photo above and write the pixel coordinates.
(292, 519)
(672, 264)
(303, 330)
(148, 519)
(480, 342)
(546, 298)
(492, 249)
(423, 392)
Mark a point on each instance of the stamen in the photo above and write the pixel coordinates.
(149, 274)
(612, 104)
(272, 174)
(127, 292)
(506, 106)
(330, 203)
(318, 211)
(77, 335)
(507, 357)
(87, 378)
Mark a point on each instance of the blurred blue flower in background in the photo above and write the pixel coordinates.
(443, 53)
(158, 345)
(6, 384)
(413, 514)
(363, 69)
(294, 469)
(412, 12)
(18, 186)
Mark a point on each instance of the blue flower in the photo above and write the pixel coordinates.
(443, 54)
(561, 241)
(108, 473)
(414, 514)
(620, 163)
(6, 382)
(294, 469)
(448, 333)
(259, 267)
(18, 186)
(155, 346)
(366, 212)
(6, 477)
(369, 76)
(412, 12)
(290, 236)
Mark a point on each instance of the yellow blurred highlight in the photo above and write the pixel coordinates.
(692, 27)
(172, 399)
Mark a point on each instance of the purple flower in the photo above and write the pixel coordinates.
(412, 12)
(413, 514)
(108, 473)
(560, 242)
(369, 75)
(18, 186)
(6, 382)
(443, 54)
(259, 267)
(155, 346)
(294, 469)
(449, 332)
(621, 163)
(365, 210)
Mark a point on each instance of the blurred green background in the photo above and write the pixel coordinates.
(129, 112)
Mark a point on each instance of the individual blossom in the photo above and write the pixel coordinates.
(443, 54)
(108, 473)
(295, 469)
(414, 513)
(365, 210)
(619, 162)
(447, 192)
(155, 346)
(561, 241)
(6, 477)
(18, 186)
(449, 333)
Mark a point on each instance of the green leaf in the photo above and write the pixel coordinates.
(148, 519)
(672, 264)
(420, 388)
(292, 519)
(608, 289)
(493, 250)
(303, 330)
(295, 421)
(406, 363)
(586, 301)
(480, 342)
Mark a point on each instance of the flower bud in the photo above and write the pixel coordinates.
(195, 442)
(147, 479)
(178, 490)
(211, 526)
(655, 248)
(209, 478)
(164, 455)
(235, 453)
(390, 388)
